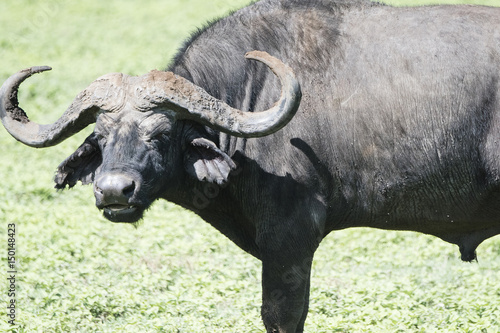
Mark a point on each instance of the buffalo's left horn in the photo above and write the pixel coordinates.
(192, 102)
(103, 94)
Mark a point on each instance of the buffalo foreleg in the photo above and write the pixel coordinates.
(286, 248)
(285, 293)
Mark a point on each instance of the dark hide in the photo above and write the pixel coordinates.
(81, 165)
(399, 128)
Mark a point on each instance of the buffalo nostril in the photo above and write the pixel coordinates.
(114, 189)
(98, 190)
(129, 190)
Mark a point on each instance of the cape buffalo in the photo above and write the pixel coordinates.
(395, 125)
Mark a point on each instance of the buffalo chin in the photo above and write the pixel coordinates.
(123, 214)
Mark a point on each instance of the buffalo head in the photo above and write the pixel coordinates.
(143, 141)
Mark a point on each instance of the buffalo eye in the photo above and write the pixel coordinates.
(155, 137)
(101, 139)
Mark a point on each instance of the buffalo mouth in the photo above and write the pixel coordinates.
(122, 213)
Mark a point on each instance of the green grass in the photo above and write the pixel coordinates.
(174, 273)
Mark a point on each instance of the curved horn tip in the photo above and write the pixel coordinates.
(273, 63)
(19, 77)
(257, 55)
(39, 69)
(27, 72)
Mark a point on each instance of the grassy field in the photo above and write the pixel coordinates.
(78, 272)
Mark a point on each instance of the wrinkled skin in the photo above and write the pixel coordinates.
(143, 155)
(398, 129)
(146, 163)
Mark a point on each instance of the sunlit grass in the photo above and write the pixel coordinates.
(174, 273)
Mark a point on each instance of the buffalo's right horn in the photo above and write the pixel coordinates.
(103, 94)
(189, 101)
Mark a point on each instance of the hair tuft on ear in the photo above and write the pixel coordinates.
(206, 162)
(79, 166)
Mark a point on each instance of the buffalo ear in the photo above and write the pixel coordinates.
(206, 162)
(80, 166)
